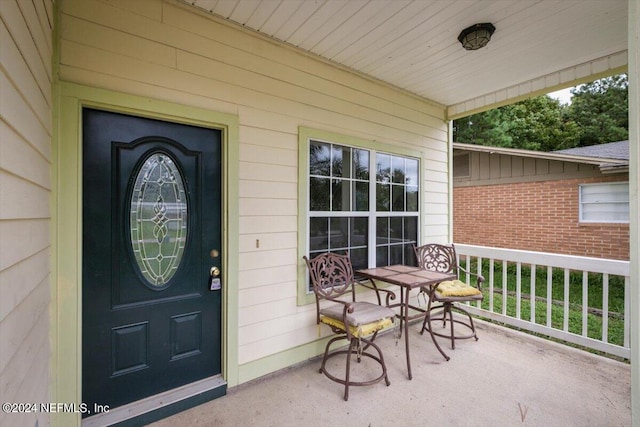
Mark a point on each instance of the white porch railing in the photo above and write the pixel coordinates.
(578, 323)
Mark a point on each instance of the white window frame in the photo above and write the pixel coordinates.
(582, 203)
(305, 137)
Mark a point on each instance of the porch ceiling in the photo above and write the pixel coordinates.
(538, 46)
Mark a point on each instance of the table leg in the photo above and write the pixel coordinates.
(402, 310)
(405, 315)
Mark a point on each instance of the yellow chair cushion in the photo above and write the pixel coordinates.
(365, 319)
(360, 330)
(456, 288)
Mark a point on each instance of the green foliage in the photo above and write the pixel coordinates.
(601, 110)
(598, 114)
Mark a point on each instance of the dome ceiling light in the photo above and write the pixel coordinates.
(476, 36)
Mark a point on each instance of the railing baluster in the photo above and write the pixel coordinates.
(585, 303)
(605, 308)
(518, 290)
(504, 288)
(549, 294)
(479, 271)
(491, 271)
(532, 294)
(565, 323)
(467, 277)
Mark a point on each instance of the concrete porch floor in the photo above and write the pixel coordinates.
(507, 378)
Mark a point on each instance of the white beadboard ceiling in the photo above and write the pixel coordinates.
(538, 46)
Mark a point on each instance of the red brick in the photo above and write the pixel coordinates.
(537, 216)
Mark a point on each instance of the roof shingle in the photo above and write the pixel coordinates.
(613, 150)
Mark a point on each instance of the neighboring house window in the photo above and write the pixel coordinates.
(362, 202)
(604, 202)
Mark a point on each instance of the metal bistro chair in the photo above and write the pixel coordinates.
(446, 294)
(357, 322)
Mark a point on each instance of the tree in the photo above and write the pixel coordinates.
(534, 124)
(598, 114)
(601, 109)
(486, 128)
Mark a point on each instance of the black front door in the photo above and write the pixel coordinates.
(151, 240)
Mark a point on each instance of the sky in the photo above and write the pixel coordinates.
(563, 95)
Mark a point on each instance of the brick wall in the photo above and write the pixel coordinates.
(536, 216)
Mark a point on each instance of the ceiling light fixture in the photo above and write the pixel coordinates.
(476, 36)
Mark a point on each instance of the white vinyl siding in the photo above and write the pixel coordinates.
(25, 197)
(169, 51)
(605, 202)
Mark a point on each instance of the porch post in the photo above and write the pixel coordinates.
(634, 201)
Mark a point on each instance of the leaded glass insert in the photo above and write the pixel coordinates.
(158, 219)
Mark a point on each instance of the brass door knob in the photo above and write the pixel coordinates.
(214, 272)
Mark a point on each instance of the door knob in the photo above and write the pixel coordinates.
(214, 280)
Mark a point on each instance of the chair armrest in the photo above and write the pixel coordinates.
(479, 277)
(389, 295)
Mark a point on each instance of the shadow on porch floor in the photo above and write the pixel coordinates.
(507, 378)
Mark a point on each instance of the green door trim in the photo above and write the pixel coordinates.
(66, 232)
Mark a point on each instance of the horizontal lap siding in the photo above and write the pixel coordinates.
(25, 191)
(171, 52)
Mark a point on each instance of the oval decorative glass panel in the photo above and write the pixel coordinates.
(158, 219)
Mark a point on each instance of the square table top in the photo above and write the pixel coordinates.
(406, 276)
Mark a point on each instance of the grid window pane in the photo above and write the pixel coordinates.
(382, 231)
(319, 234)
(383, 197)
(411, 174)
(359, 232)
(319, 194)
(398, 198)
(395, 229)
(319, 159)
(410, 256)
(410, 229)
(338, 233)
(383, 168)
(336, 161)
(361, 195)
(340, 195)
(361, 164)
(395, 254)
(397, 167)
(382, 256)
(359, 258)
(412, 198)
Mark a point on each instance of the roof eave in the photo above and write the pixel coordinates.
(608, 168)
(540, 155)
